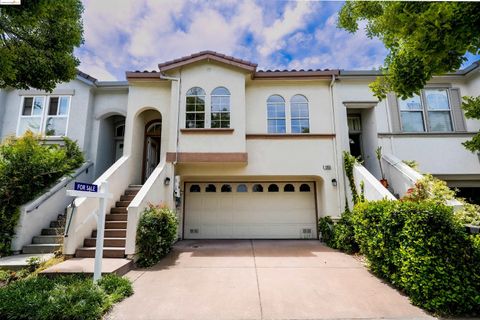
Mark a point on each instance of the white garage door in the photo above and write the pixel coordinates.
(270, 210)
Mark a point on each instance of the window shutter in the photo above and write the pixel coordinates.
(394, 113)
(458, 117)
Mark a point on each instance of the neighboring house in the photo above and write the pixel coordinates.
(251, 154)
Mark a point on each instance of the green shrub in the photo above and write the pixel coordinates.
(326, 227)
(422, 248)
(67, 297)
(27, 168)
(156, 233)
(344, 235)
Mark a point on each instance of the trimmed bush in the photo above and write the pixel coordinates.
(67, 297)
(27, 168)
(339, 235)
(156, 233)
(421, 248)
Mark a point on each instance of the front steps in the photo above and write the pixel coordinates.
(115, 229)
(50, 240)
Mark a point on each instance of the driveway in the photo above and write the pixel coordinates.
(260, 279)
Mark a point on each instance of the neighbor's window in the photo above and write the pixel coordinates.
(276, 114)
(299, 114)
(195, 111)
(430, 112)
(44, 115)
(220, 108)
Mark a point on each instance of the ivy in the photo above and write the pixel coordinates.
(349, 163)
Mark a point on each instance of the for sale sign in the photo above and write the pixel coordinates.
(86, 187)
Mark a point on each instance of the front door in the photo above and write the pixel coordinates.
(152, 148)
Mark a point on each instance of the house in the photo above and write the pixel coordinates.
(243, 153)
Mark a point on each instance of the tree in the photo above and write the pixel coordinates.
(423, 39)
(471, 106)
(37, 39)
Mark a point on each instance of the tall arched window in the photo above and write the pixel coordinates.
(299, 112)
(276, 114)
(220, 108)
(195, 112)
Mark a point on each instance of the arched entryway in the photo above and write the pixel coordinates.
(152, 144)
(111, 133)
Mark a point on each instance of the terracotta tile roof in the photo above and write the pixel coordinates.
(86, 76)
(143, 74)
(310, 73)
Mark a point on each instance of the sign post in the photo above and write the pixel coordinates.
(91, 191)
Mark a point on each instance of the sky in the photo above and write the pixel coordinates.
(127, 35)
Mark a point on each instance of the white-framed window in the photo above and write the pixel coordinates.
(299, 114)
(220, 108)
(195, 108)
(276, 121)
(46, 115)
(430, 111)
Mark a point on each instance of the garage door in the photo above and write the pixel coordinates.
(250, 210)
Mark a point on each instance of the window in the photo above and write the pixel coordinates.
(50, 120)
(194, 188)
(273, 188)
(211, 188)
(220, 108)
(289, 188)
(304, 188)
(257, 188)
(428, 112)
(226, 188)
(195, 112)
(299, 114)
(120, 131)
(242, 188)
(276, 114)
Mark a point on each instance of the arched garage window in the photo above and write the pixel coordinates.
(195, 112)
(289, 188)
(273, 188)
(299, 114)
(220, 108)
(194, 188)
(276, 114)
(226, 188)
(242, 188)
(304, 188)
(211, 188)
(257, 188)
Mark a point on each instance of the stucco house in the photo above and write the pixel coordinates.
(243, 153)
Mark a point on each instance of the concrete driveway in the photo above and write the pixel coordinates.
(260, 279)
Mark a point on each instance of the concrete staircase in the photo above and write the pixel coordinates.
(115, 229)
(50, 240)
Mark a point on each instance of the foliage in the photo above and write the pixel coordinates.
(471, 106)
(412, 164)
(37, 41)
(469, 214)
(423, 39)
(156, 233)
(326, 227)
(67, 297)
(349, 163)
(339, 235)
(27, 168)
(378, 153)
(421, 248)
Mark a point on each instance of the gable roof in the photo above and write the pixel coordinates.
(207, 55)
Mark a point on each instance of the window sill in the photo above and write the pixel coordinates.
(207, 131)
(290, 135)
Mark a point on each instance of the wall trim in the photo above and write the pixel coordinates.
(426, 134)
(286, 136)
(59, 92)
(207, 130)
(208, 157)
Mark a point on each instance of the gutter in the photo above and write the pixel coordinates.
(332, 100)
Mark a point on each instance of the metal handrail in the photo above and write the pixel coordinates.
(47, 195)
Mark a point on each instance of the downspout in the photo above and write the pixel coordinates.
(332, 100)
(177, 138)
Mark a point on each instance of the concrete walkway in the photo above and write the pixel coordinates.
(260, 279)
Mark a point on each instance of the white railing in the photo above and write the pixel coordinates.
(374, 190)
(83, 220)
(154, 191)
(399, 175)
(37, 214)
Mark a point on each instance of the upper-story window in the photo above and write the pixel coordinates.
(44, 115)
(195, 113)
(276, 114)
(299, 114)
(220, 108)
(430, 111)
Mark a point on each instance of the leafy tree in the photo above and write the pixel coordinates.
(37, 39)
(471, 106)
(423, 39)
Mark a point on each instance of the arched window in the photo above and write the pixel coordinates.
(304, 188)
(211, 188)
(195, 112)
(120, 130)
(226, 188)
(257, 188)
(220, 108)
(276, 114)
(194, 188)
(273, 188)
(242, 188)
(299, 113)
(289, 188)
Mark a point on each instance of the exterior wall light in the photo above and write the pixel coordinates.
(166, 181)
(334, 182)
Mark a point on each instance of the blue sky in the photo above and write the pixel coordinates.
(125, 35)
